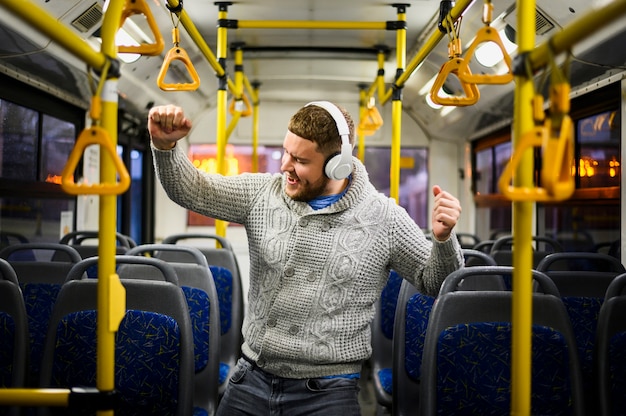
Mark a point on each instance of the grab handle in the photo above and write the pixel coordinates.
(486, 34)
(94, 135)
(178, 54)
(132, 7)
(471, 90)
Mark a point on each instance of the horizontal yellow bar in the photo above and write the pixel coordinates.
(55, 30)
(576, 31)
(309, 24)
(35, 397)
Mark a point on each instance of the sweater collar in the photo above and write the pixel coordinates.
(357, 191)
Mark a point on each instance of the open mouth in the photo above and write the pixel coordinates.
(292, 181)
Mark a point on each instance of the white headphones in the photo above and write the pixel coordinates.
(338, 166)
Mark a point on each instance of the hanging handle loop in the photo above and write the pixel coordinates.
(371, 119)
(452, 66)
(486, 34)
(133, 7)
(555, 136)
(178, 54)
(94, 135)
(472, 94)
(242, 106)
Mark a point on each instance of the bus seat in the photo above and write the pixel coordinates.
(198, 285)
(467, 352)
(154, 343)
(610, 350)
(484, 246)
(412, 317)
(502, 249)
(582, 279)
(225, 269)
(467, 240)
(86, 243)
(575, 240)
(40, 281)
(382, 339)
(8, 238)
(14, 344)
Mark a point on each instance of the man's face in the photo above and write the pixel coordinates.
(303, 167)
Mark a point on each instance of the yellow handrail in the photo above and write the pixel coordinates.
(133, 7)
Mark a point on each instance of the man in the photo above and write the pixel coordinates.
(322, 241)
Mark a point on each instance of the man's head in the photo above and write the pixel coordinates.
(314, 122)
(312, 139)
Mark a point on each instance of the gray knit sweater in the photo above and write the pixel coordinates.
(314, 275)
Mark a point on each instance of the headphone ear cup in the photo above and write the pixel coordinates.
(335, 168)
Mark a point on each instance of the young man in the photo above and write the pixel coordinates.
(322, 241)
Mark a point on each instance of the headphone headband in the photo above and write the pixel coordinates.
(339, 165)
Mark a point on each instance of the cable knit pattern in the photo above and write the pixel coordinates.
(314, 275)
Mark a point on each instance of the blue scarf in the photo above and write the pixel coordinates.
(324, 201)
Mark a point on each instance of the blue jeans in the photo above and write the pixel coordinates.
(252, 391)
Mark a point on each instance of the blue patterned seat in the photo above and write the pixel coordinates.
(198, 285)
(582, 279)
(13, 334)
(610, 350)
(467, 350)
(382, 337)
(225, 269)
(412, 316)
(154, 344)
(40, 280)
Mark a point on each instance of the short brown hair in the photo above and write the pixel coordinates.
(316, 124)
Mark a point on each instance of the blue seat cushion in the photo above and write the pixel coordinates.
(223, 279)
(417, 314)
(474, 370)
(584, 313)
(199, 311)
(385, 377)
(224, 370)
(388, 301)
(147, 358)
(39, 299)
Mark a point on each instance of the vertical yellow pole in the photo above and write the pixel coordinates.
(396, 107)
(222, 103)
(380, 76)
(361, 136)
(106, 329)
(521, 369)
(255, 126)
